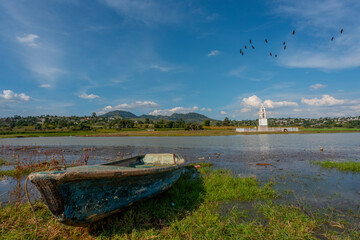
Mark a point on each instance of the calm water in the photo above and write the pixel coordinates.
(289, 156)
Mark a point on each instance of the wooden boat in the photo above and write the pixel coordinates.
(81, 195)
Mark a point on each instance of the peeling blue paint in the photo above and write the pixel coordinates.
(86, 200)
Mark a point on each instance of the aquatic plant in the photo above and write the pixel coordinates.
(349, 166)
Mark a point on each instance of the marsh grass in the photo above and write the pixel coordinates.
(349, 166)
(5, 163)
(191, 209)
(30, 159)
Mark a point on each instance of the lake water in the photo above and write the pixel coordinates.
(290, 157)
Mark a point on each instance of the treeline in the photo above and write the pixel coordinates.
(94, 122)
(90, 123)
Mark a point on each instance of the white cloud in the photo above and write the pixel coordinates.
(206, 110)
(253, 101)
(214, 53)
(129, 106)
(28, 39)
(326, 100)
(108, 108)
(46, 72)
(317, 86)
(9, 95)
(168, 112)
(160, 68)
(223, 113)
(297, 110)
(88, 96)
(45, 85)
(270, 104)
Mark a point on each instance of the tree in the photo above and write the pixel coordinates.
(94, 114)
(226, 122)
(207, 123)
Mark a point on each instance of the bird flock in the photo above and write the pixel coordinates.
(283, 43)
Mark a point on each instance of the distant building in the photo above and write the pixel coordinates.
(263, 125)
(263, 122)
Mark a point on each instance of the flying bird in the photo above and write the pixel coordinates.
(332, 38)
(266, 41)
(250, 41)
(276, 55)
(242, 53)
(240, 50)
(252, 46)
(270, 54)
(245, 46)
(341, 31)
(293, 32)
(284, 47)
(284, 43)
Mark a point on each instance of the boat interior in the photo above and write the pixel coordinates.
(149, 160)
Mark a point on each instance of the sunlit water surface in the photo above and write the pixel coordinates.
(290, 157)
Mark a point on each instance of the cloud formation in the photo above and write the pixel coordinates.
(214, 53)
(270, 104)
(317, 86)
(168, 112)
(206, 110)
(50, 73)
(9, 95)
(130, 106)
(89, 96)
(255, 102)
(223, 113)
(161, 68)
(325, 100)
(28, 39)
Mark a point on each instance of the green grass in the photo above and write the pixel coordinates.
(15, 172)
(329, 130)
(203, 204)
(350, 166)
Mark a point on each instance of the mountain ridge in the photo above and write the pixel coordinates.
(187, 117)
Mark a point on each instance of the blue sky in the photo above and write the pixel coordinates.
(72, 57)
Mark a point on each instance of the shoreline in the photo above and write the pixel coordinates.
(170, 133)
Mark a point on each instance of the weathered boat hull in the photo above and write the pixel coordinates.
(81, 200)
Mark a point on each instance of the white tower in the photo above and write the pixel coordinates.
(263, 123)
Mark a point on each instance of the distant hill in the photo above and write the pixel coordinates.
(122, 114)
(187, 117)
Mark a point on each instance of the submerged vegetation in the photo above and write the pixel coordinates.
(203, 204)
(24, 160)
(350, 166)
